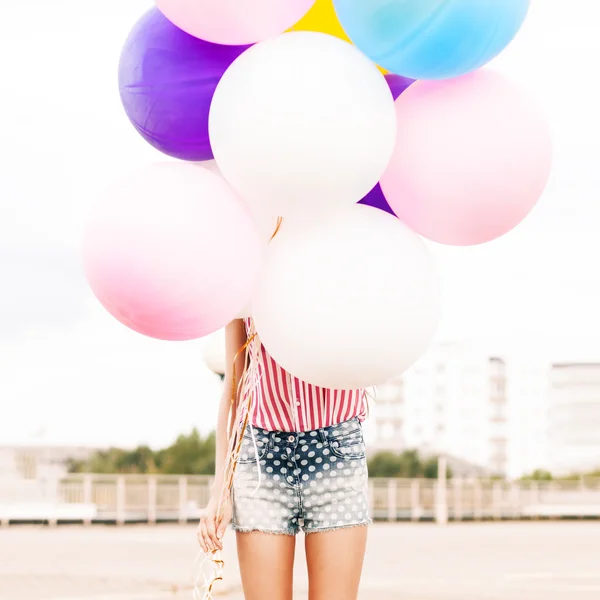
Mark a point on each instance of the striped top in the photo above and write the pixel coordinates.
(285, 403)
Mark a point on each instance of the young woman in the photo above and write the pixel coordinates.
(301, 467)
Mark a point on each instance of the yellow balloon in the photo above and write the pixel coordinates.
(322, 17)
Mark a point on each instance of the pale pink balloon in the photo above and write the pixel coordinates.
(171, 252)
(234, 21)
(472, 157)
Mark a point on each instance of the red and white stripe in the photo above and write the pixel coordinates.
(286, 403)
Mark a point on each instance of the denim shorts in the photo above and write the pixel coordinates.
(309, 481)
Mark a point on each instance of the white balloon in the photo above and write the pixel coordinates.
(246, 313)
(302, 121)
(349, 301)
(210, 165)
(266, 224)
(214, 352)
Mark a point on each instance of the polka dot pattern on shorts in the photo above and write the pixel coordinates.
(314, 481)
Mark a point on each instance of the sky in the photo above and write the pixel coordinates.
(70, 374)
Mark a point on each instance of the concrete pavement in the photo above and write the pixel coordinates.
(489, 561)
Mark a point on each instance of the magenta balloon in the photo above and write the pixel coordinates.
(375, 198)
(162, 252)
(167, 79)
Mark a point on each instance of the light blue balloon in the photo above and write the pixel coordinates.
(431, 39)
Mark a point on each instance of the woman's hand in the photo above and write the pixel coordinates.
(211, 528)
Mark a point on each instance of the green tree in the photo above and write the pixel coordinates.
(140, 460)
(410, 464)
(538, 475)
(430, 469)
(407, 464)
(188, 455)
(385, 464)
(106, 461)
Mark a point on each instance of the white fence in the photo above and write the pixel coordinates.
(137, 498)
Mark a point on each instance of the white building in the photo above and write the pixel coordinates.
(32, 473)
(454, 401)
(527, 391)
(385, 429)
(574, 418)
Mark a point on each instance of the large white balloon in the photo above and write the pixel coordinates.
(349, 301)
(267, 225)
(214, 352)
(302, 121)
(246, 313)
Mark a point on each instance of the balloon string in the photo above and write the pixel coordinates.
(277, 228)
(245, 392)
(235, 440)
(235, 443)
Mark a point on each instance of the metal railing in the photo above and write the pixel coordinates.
(162, 498)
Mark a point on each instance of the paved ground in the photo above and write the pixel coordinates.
(495, 561)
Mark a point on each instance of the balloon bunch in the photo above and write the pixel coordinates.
(362, 125)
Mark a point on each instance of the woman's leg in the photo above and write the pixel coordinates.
(266, 565)
(335, 561)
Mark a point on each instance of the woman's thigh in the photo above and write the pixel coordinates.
(335, 562)
(266, 565)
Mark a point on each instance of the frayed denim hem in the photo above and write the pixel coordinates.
(239, 529)
(336, 527)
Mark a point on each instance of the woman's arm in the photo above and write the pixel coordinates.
(210, 532)
(235, 338)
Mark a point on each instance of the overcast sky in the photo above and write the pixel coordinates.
(69, 373)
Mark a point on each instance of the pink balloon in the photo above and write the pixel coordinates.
(172, 252)
(234, 21)
(473, 156)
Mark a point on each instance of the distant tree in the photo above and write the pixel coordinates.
(411, 465)
(188, 455)
(538, 475)
(582, 476)
(106, 461)
(140, 460)
(407, 464)
(385, 464)
(76, 466)
(430, 469)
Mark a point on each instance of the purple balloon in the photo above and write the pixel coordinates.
(398, 84)
(375, 197)
(167, 80)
